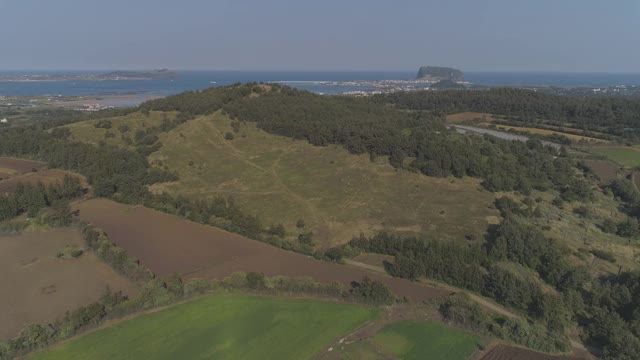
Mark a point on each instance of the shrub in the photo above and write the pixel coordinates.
(582, 211)
(103, 124)
(255, 281)
(228, 136)
(334, 254)
(372, 292)
(604, 255)
(306, 238)
(609, 226)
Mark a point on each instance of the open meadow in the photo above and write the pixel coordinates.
(221, 327)
(338, 195)
(39, 287)
(623, 155)
(167, 244)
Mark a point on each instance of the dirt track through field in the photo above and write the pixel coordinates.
(168, 244)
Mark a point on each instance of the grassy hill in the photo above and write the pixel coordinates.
(337, 194)
(221, 327)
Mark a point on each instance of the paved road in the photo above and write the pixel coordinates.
(464, 129)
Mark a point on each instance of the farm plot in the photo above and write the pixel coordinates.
(426, 340)
(605, 170)
(10, 167)
(221, 327)
(168, 244)
(38, 287)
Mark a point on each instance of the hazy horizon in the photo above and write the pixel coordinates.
(93, 70)
(585, 36)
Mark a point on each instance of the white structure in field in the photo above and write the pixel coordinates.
(4, 121)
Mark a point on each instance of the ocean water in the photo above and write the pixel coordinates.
(315, 81)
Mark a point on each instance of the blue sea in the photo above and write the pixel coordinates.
(315, 81)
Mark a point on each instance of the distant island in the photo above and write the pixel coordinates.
(114, 75)
(439, 73)
(150, 74)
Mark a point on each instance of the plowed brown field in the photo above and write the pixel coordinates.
(604, 169)
(19, 165)
(168, 244)
(37, 287)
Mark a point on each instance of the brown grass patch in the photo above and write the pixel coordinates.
(168, 244)
(37, 287)
(47, 177)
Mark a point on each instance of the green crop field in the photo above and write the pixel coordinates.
(426, 340)
(337, 194)
(221, 327)
(621, 155)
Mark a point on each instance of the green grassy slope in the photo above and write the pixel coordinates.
(622, 155)
(426, 340)
(221, 327)
(337, 194)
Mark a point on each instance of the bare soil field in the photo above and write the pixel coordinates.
(167, 244)
(38, 287)
(506, 352)
(605, 170)
(19, 165)
(47, 177)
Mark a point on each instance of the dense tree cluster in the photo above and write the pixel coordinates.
(115, 256)
(613, 115)
(30, 199)
(201, 102)
(113, 171)
(466, 266)
(415, 141)
(462, 311)
(609, 308)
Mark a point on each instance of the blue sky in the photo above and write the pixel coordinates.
(490, 35)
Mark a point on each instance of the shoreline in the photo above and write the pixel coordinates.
(80, 102)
